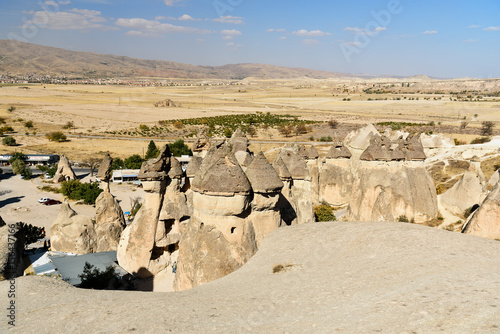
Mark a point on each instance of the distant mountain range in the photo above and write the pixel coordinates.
(23, 58)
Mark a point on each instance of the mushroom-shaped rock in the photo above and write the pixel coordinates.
(282, 170)
(72, 233)
(220, 174)
(295, 164)
(156, 169)
(311, 153)
(262, 176)
(239, 141)
(202, 143)
(104, 172)
(64, 171)
(175, 171)
(414, 149)
(193, 166)
(338, 152)
(379, 150)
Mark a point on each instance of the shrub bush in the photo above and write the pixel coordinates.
(480, 140)
(88, 192)
(9, 141)
(324, 213)
(133, 162)
(57, 136)
(178, 148)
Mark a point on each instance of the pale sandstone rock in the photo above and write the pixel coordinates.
(360, 139)
(494, 179)
(471, 189)
(218, 238)
(110, 222)
(267, 185)
(64, 171)
(72, 233)
(485, 221)
(104, 171)
(386, 191)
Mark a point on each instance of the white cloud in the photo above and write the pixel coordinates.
(312, 33)
(187, 17)
(234, 45)
(171, 3)
(62, 3)
(145, 27)
(492, 29)
(159, 18)
(353, 43)
(310, 42)
(74, 19)
(430, 32)
(276, 30)
(51, 3)
(283, 38)
(473, 26)
(361, 31)
(230, 34)
(229, 19)
(470, 41)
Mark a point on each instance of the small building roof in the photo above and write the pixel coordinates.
(71, 265)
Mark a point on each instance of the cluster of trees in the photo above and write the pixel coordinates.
(135, 161)
(19, 166)
(75, 190)
(57, 136)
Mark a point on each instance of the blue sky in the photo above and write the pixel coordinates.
(440, 38)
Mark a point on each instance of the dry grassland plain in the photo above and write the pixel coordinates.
(105, 110)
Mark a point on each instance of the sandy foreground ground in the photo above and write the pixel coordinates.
(335, 278)
(19, 201)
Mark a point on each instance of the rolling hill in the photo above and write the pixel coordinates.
(23, 58)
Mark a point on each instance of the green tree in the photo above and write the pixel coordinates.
(28, 124)
(11, 108)
(50, 170)
(57, 136)
(19, 167)
(117, 164)
(133, 162)
(93, 278)
(178, 148)
(152, 151)
(9, 141)
(75, 190)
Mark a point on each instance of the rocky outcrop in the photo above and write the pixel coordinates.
(165, 103)
(110, 222)
(104, 171)
(336, 177)
(359, 140)
(64, 171)
(201, 145)
(72, 233)
(266, 185)
(494, 179)
(387, 192)
(470, 190)
(218, 238)
(485, 221)
(11, 251)
(137, 244)
(301, 190)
